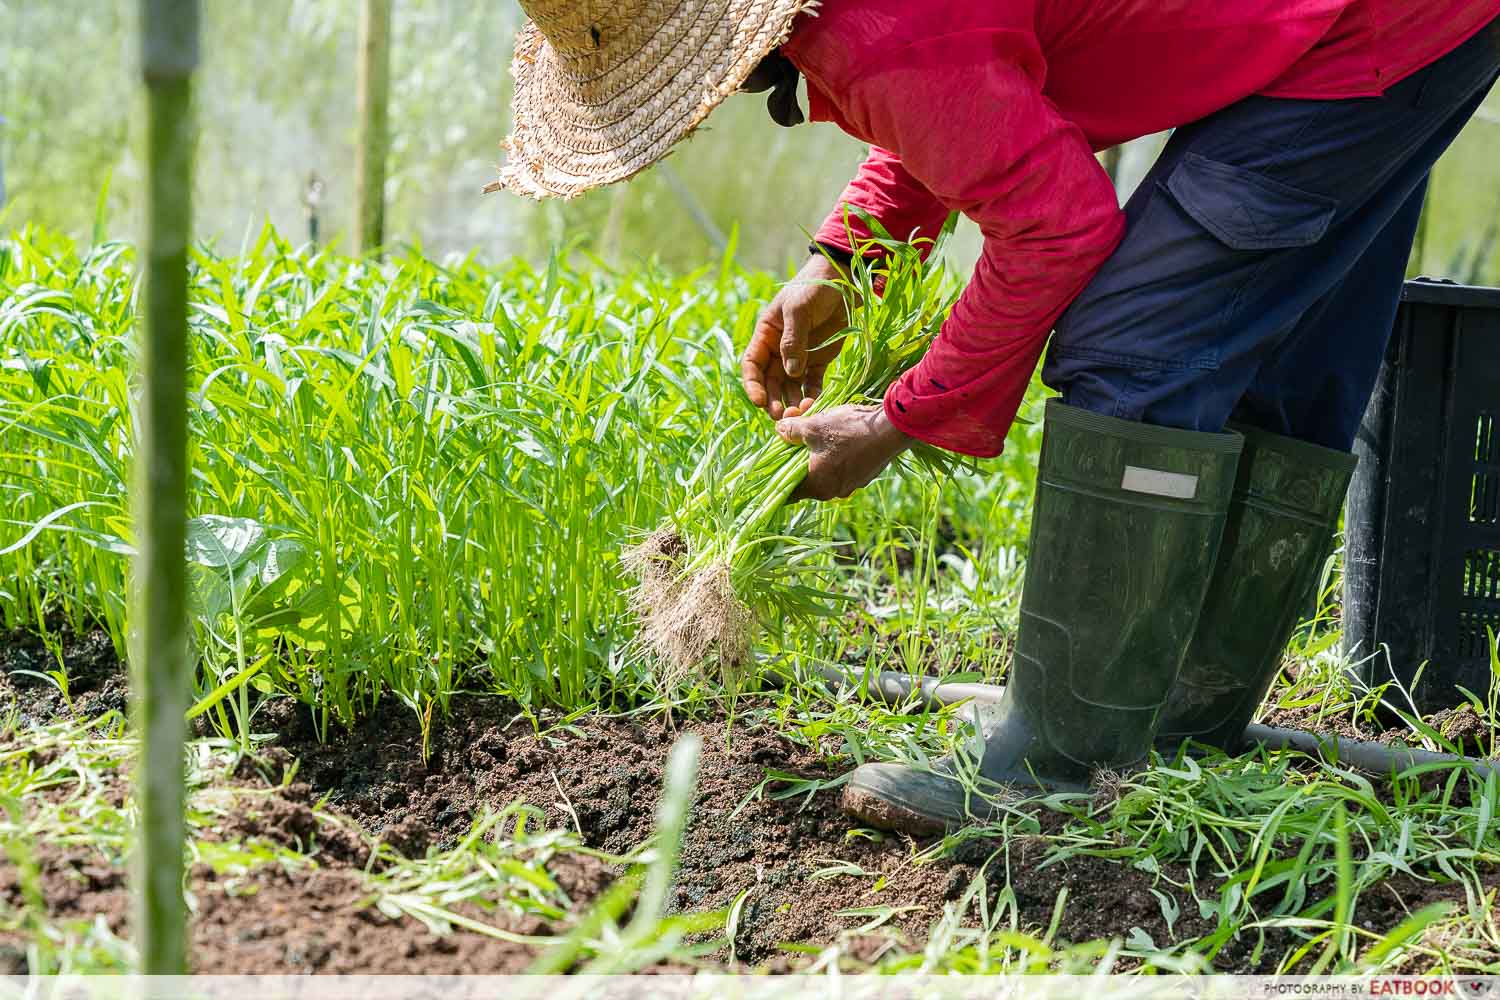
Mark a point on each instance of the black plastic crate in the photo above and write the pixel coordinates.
(1422, 575)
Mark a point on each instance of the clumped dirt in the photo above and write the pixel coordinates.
(792, 857)
(602, 777)
(1395, 733)
(607, 773)
(1466, 728)
(287, 819)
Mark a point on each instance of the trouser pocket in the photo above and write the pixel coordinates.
(1246, 210)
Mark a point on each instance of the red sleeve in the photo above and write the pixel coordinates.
(966, 114)
(887, 193)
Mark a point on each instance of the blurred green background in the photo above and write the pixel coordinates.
(277, 110)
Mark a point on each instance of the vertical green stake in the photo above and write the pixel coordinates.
(374, 122)
(163, 681)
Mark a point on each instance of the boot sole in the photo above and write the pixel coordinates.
(884, 814)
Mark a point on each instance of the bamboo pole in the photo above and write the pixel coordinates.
(169, 54)
(374, 123)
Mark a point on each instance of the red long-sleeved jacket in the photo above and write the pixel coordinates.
(994, 108)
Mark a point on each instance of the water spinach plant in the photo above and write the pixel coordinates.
(409, 477)
(415, 477)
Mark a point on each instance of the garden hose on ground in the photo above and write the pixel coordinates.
(896, 688)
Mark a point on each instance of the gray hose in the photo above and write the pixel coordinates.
(1376, 758)
(894, 688)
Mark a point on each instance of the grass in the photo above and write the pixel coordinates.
(64, 789)
(414, 479)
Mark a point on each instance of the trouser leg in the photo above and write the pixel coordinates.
(1318, 384)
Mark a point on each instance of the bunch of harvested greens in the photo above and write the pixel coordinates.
(734, 554)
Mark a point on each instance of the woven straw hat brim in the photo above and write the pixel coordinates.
(573, 133)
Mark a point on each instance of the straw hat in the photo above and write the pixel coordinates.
(604, 89)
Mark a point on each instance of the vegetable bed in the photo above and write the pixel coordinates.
(429, 736)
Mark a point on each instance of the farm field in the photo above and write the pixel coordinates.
(428, 736)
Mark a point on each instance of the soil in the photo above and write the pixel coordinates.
(95, 680)
(607, 774)
(792, 858)
(1466, 728)
(314, 919)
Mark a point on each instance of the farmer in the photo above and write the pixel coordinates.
(1213, 345)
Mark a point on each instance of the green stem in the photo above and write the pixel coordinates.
(786, 478)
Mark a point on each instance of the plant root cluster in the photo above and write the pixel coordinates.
(689, 617)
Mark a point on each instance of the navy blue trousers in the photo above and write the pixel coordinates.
(1263, 259)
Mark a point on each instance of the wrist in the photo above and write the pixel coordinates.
(828, 251)
(828, 263)
(892, 437)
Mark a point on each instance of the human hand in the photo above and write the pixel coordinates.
(848, 446)
(793, 344)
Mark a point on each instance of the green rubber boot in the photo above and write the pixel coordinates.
(1279, 533)
(1124, 535)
